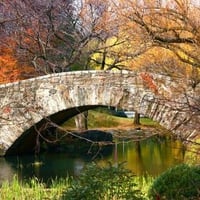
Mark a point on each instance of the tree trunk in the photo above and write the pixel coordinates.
(137, 118)
(81, 121)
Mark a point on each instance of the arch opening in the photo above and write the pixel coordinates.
(28, 142)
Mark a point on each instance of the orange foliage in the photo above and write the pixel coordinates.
(10, 70)
(149, 82)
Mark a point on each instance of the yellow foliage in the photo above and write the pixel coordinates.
(111, 51)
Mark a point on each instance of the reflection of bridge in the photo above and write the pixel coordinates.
(25, 105)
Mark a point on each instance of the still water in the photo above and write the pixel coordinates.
(151, 156)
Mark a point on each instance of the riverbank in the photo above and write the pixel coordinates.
(63, 188)
(110, 182)
(122, 127)
(119, 127)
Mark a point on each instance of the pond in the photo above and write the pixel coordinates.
(151, 156)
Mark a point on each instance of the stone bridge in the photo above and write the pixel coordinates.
(27, 105)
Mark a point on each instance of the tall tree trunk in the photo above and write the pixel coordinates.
(137, 118)
(81, 121)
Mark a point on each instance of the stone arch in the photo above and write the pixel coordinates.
(26, 141)
(59, 102)
(28, 102)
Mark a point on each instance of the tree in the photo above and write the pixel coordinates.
(55, 36)
(8, 63)
(172, 25)
(10, 69)
(48, 34)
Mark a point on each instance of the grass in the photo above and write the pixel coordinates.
(102, 119)
(144, 183)
(32, 189)
(148, 122)
(35, 190)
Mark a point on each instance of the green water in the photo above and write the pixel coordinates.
(152, 156)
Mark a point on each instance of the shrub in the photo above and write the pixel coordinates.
(104, 183)
(180, 182)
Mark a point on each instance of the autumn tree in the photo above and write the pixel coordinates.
(48, 34)
(10, 67)
(171, 25)
(8, 63)
(40, 35)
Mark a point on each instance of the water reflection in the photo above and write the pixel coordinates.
(151, 156)
(46, 166)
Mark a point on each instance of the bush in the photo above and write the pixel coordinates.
(104, 183)
(180, 182)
